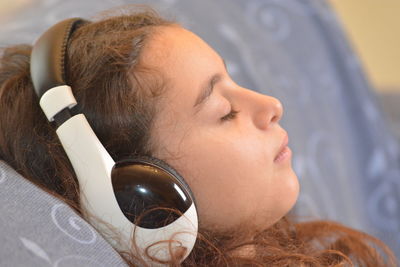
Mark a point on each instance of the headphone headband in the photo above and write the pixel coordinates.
(49, 55)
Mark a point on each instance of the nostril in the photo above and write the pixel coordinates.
(275, 118)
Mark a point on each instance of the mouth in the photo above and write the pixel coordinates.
(284, 151)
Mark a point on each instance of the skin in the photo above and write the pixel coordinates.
(229, 165)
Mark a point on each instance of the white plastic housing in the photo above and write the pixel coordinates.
(93, 165)
(56, 99)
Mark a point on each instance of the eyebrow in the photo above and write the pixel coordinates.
(207, 89)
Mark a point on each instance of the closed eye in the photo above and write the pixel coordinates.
(230, 116)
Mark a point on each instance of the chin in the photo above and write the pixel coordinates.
(292, 188)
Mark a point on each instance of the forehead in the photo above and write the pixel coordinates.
(183, 59)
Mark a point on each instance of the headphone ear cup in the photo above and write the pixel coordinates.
(169, 168)
(150, 193)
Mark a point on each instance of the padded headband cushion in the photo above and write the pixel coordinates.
(48, 56)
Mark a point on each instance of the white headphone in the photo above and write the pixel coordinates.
(116, 193)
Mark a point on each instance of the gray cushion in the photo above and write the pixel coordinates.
(37, 229)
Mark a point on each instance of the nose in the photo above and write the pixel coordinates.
(267, 110)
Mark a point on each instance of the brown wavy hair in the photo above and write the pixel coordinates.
(119, 97)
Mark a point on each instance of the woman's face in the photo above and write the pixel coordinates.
(231, 162)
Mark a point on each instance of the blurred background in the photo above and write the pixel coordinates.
(373, 28)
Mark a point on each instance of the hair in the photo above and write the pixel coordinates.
(116, 91)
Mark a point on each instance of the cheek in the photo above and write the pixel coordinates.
(228, 181)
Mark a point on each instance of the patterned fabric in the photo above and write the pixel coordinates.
(347, 160)
(36, 229)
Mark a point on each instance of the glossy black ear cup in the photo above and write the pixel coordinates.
(150, 193)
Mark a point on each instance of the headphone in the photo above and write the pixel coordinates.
(117, 193)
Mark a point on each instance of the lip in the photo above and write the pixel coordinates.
(283, 146)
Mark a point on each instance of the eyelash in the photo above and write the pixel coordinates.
(230, 116)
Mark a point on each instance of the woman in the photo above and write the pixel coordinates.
(169, 96)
